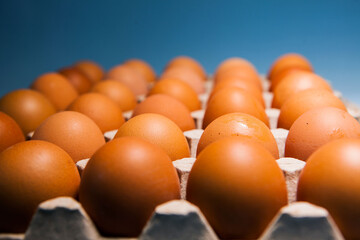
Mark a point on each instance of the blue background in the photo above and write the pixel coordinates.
(42, 36)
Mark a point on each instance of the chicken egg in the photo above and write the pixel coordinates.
(101, 109)
(123, 182)
(317, 127)
(169, 107)
(74, 132)
(32, 172)
(158, 130)
(27, 107)
(238, 186)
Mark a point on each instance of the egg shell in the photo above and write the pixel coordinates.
(123, 183)
(118, 92)
(77, 78)
(279, 77)
(187, 62)
(56, 88)
(169, 107)
(158, 130)
(129, 77)
(186, 75)
(91, 69)
(101, 109)
(234, 62)
(238, 124)
(304, 101)
(317, 127)
(238, 186)
(248, 86)
(27, 107)
(143, 68)
(10, 132)
(296, 82)
(179, 90)
(288, 61)
(74, 132)
(32, 172)
(331, 179)
(230, 100)
(246, 75)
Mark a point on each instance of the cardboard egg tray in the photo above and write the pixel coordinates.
(64, 217)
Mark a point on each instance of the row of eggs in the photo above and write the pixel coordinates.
(127, 177)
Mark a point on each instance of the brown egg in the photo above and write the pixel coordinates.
(101, 109)
(179, 90)
(317, 127)
(234, 62)
(304, 101)
(32, 172)
(187, 62)
(187, 75)
(123, 183)
(169, 107)
(128, 76)
(331, 179)
(91, 69)
(77, 78)
(238, 186)
(27, 107)
(246, 75)
(118, 92)
(56, 88)
(158, 130)
(143, 68)
(229, 100)
(287, 61)
(249, 88)
(239, 124)
(10, 132)
(74, 132)
(296, 82)
(279, 77)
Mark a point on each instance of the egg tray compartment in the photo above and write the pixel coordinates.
(64, 217)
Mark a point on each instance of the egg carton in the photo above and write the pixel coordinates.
(65, 218)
